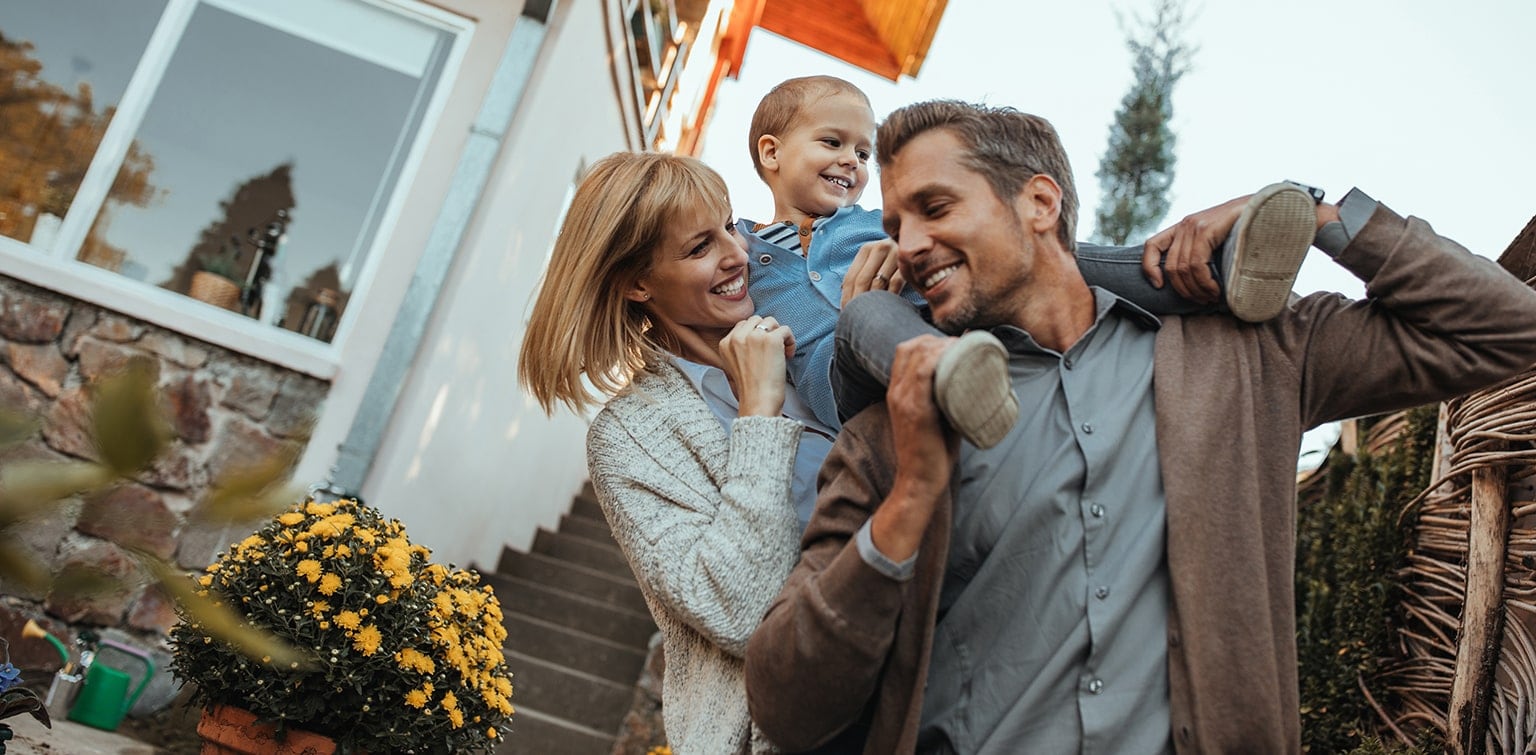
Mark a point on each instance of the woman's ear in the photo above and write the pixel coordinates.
(768, 152)
(637, 293)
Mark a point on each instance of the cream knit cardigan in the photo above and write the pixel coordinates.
(709, 529)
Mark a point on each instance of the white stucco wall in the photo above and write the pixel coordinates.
(469, 463)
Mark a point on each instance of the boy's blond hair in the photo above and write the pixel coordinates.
(777, 112)
(582, 323)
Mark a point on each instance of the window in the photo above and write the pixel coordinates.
(263, 141)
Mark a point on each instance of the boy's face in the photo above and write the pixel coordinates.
(822, 163)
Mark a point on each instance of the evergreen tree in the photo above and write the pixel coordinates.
(1137, 168)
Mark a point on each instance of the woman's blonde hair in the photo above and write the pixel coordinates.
(582, 324)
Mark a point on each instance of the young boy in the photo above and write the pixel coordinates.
(812, 141)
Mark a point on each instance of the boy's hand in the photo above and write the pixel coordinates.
(873, 269)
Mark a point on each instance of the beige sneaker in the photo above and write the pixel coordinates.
(1266, 249)
(973, 390)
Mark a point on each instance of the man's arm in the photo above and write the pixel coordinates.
(815, 662)
(1438, 321)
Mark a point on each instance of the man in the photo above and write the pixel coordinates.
(1115, 576)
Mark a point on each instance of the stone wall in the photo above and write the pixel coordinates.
(226, 410)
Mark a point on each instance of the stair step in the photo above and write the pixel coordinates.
(595, 530)
(572, 648)
(591, 701)
(585, 504)
(532, 731)
(568, 609)
(555, 573)
(604, 558)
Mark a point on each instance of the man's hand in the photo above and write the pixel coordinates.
(1185, 249)
(926, 449)
(873, 269)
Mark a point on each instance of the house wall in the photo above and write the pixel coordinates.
(470, 462)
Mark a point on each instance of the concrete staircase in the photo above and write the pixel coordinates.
(577, 631)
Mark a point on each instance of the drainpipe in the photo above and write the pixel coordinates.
(356, 454)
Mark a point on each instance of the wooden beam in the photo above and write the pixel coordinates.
(1482, 614)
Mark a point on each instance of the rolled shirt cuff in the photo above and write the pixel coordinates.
(1355, 210)
(899, 571)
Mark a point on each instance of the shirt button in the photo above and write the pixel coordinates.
(1067, 363)
(1102, 592)
(1096, 686)
(1097, 511)
(765, 259)
(815, 276)
(805, 231)
(1088, 427)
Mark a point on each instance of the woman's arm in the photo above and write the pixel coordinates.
(714, 555)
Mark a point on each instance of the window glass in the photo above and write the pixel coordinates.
(273, 143)
(64, 65)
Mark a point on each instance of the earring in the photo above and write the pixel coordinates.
(647, 297)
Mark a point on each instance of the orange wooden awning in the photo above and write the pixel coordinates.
(888, 38)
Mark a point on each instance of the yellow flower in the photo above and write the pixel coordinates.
(450, 702)
(456, 718)
(348, 619)
(205, 580)
(319, 509)
(301, 546)
(416, 698)
(333, 525)
(329, 584)
(342, 551)
(415, 660)
(381, 599)
(367, 640)
(367, 536)
(319, 608)
(309, 569)
(490, 731)
(291, 518)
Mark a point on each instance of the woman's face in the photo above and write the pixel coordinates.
(698, 278)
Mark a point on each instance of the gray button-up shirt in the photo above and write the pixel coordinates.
(1054, 609)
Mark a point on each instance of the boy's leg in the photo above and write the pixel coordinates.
(971, 382)
(1262, 255)
(1256, 265)
(1118, 269)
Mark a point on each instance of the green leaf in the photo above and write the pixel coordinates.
(223, 623)
(20, 569)
(30, 486)
(130, 431)
(15, 428)
(250, 493)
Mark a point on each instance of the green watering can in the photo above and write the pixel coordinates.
(104, 697)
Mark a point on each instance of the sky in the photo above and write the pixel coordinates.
(1428, 106)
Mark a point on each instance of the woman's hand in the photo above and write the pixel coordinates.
(755, 353)
(873, 269)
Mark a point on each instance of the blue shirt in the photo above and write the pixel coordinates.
(805, 293)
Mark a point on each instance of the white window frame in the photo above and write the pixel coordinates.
(57, 269)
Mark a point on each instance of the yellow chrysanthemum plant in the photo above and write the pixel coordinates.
(405, 654)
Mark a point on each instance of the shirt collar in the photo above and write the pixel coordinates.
(1104, 302)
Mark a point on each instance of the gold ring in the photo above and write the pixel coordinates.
(763, 327)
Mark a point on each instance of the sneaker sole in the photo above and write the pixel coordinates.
(1272, 237)
(972, 388)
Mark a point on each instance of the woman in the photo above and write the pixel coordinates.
(703, 459)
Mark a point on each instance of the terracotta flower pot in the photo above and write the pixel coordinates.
(227, 730)
(214, 289)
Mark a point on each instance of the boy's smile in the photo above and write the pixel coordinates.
(821, 164)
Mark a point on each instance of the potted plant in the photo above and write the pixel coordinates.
(214, 280)
(404, 655)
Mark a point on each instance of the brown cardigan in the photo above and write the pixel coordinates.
(843, 642)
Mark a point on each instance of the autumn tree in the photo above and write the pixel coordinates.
(48, 137)
(1136, 171)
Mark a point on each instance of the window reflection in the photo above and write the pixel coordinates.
(269, 121)
(64, 65)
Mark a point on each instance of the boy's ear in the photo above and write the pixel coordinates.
(768, 152)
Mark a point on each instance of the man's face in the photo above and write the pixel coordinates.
(961, 247)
